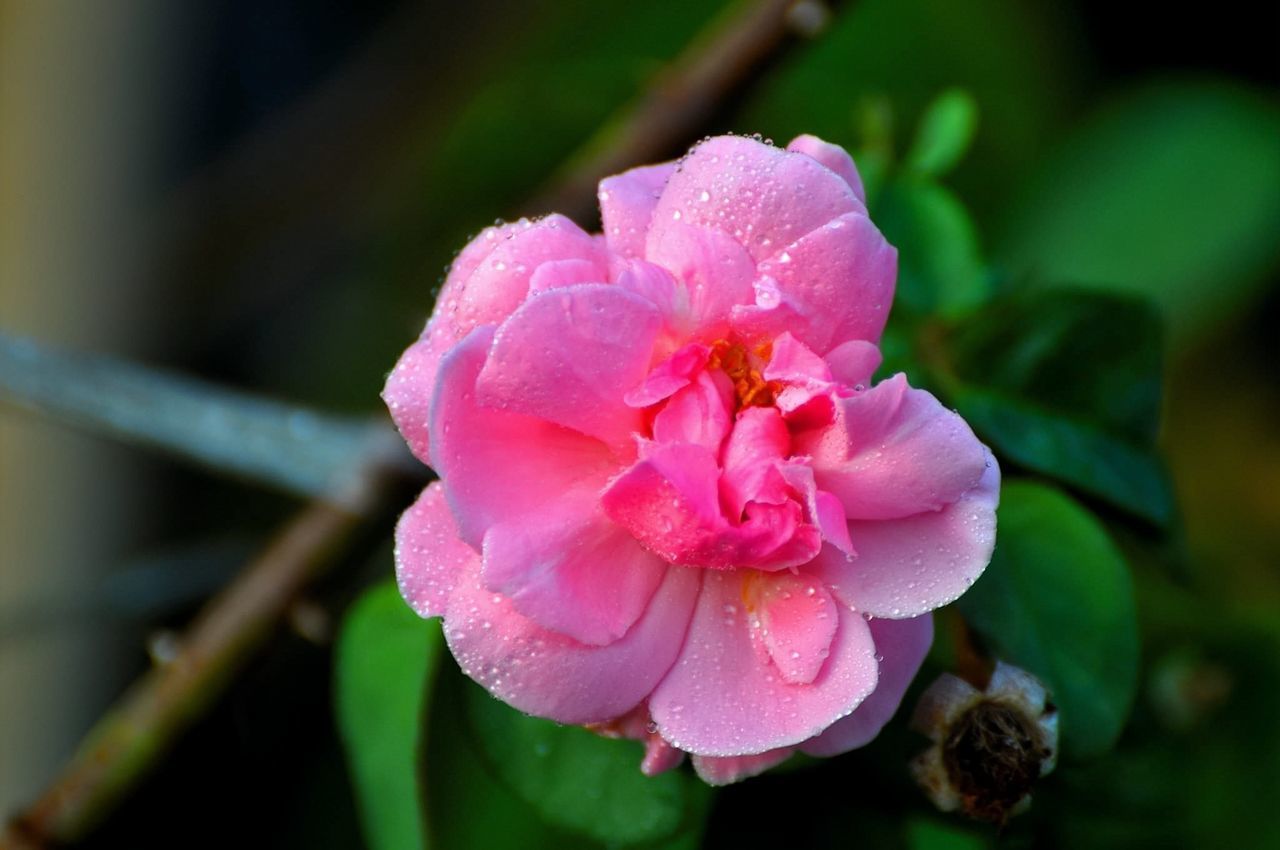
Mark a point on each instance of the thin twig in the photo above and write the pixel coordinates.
(682, 98)
(136, 733)
(286, 446)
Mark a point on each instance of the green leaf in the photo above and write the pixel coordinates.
(1068, 383)
(1057, 600)
(928, 834)
(386, 658)
(940, 268)
(473, 803)
(577, 779)
(1172, 192)
(946, 130)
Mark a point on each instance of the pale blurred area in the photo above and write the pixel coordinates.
(81, 96)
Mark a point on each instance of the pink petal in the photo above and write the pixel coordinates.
(725, 770)
(502, 465)
(487, 281)
(659, 756)
(825, 510)
(558, 273)
(698, 413)
(672, 374)
(797, 623)
(832, 156)
(569, 356)
(893, 452)
(713, 270)
(763, 197)
(838, 280)
(570, 570)
(548, 674)
(429, 554)
(792, 361)
(669, 502)
(853, 363)
(720, 699)
(906, 567)
(626, 206)
(500, 282)
(901, 646)
(758, 441)
(411, 385)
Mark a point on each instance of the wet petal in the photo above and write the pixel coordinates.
(569, 356)
(905, 567)
(721, 699)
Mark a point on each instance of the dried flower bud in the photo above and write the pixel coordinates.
(989, 747)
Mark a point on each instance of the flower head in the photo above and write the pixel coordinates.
(990, 746)
(671, 499)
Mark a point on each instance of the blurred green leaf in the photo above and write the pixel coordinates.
(946, 130)
(1068, 383)
(940, 268)
(1172, 192)
(474, 801)
(927, 834)
(1006, 53)
(1057, 600)
(386, 658)
(577, 779)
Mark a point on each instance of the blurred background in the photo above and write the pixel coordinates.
(264, 193)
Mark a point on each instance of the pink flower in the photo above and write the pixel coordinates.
(671, 503)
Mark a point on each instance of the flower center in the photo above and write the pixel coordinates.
(743, 367)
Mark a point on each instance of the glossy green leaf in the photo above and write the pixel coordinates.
(577, 779)
(386, 658)
(1057, 600)
(1068, 383)
(946, 130)
(940, 270)
(1172, 192)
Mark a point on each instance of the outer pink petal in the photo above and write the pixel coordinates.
(832, 156)
(725, 770)
(411, 384)
(901, 646)
(714, 271)
(838, 280)
(626, 206)
(762, 196)
(893, 452)
(720, 699)
(500, 281)
(908, 566)
(558, 273)
(548, 674)
(570, 355)
(571, 570)
(502, 465)
(429, 554)
(487, 281)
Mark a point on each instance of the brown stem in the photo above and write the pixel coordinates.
(681, 99)
(141, 727)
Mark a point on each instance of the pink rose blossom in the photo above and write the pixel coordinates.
(671, 504)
